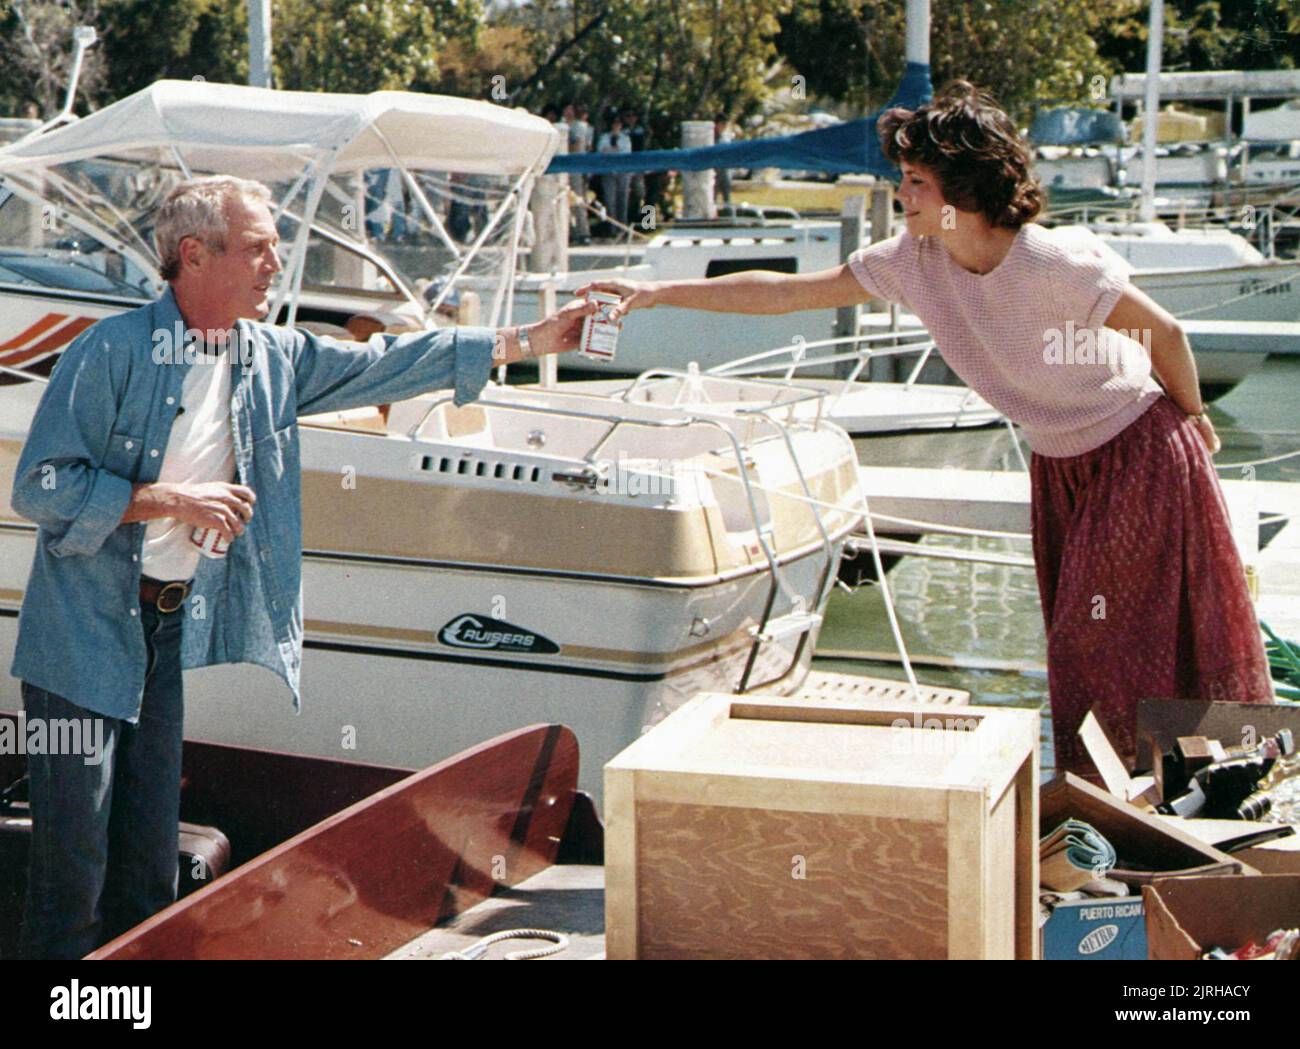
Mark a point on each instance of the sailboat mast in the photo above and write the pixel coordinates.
(259, 43)
(918, 31)
(1151, 110)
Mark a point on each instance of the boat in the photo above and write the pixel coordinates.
(1211, 274)
(536, 555)
(909, 504)
(813, 381)
(372, 874)
(1199, 274)
(255, 799)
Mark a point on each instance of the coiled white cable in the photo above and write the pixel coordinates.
(474, 951)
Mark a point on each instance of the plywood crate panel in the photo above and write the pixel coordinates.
(761, 828)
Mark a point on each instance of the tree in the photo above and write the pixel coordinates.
(337, 45)
(1023, 52)
(849, 51)
(1232, 34)
(36, 61)
(146, 41)
(670, 60)
(490, 66)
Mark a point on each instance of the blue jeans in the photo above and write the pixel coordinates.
(104, 835)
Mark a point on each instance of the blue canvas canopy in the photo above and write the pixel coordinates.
(851, 147)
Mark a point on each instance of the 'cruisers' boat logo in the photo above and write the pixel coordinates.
(482, 632)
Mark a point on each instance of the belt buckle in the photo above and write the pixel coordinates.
(162, 601)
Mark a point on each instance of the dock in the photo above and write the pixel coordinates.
(1233, 336)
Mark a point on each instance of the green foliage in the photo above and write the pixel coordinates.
(1232, 34)
(1020, 51)
(1030, 52)
(334, 45)
(670, 60)
(1026, 53)
(145, 41)
(485, 66)
(850, 51)
(36, 56)
(337, 45)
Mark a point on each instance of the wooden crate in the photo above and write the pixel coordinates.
(754, 827)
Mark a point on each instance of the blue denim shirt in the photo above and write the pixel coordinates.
(103, 425)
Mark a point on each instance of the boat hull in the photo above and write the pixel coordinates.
(379, 686)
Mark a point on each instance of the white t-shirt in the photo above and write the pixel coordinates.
(200, 448)
(612, 143)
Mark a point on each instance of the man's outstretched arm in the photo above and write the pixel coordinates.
(332, 375)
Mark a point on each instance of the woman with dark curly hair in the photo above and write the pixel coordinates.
(1142, 589)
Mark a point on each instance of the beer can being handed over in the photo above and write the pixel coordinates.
(210, 542)
(599, 333)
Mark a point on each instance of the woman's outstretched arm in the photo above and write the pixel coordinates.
(752, 291)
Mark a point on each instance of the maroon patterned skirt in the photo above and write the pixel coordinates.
(1143, 591)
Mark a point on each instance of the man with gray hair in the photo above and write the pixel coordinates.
(162, 428)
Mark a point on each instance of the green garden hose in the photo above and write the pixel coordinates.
(1284, 662)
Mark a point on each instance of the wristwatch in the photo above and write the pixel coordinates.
(525, 343)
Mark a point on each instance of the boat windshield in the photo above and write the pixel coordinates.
(88, 226)
(72, 268)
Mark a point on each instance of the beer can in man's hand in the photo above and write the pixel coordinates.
(210, 541)
(599, 333)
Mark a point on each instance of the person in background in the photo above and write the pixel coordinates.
(399, 202)
(140, 439)
(657, 184)
(614, 185)
(1143, 592)
(579, 142)
(636, 192)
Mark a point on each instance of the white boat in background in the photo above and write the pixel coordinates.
(910, 503)
(822, 385)
(677, 336)
(1196, 274)
(1210, 278)
(535, 556)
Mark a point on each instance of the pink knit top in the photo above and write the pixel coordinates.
(1029, 336)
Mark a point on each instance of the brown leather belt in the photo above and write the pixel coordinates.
(166, 597)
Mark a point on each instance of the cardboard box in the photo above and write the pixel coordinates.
(756, 827)
(1139, 837)
(1274, 856)
(1104, 929)
(1143, 791)
(1272, 861)
(1163, 721)
(1113, 928)
(1188, 916)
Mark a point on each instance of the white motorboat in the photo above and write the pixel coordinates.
(910, 503)
(535, 556)
(815, 385)
(1196, 274)
(677, 336)
(1206, 276)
